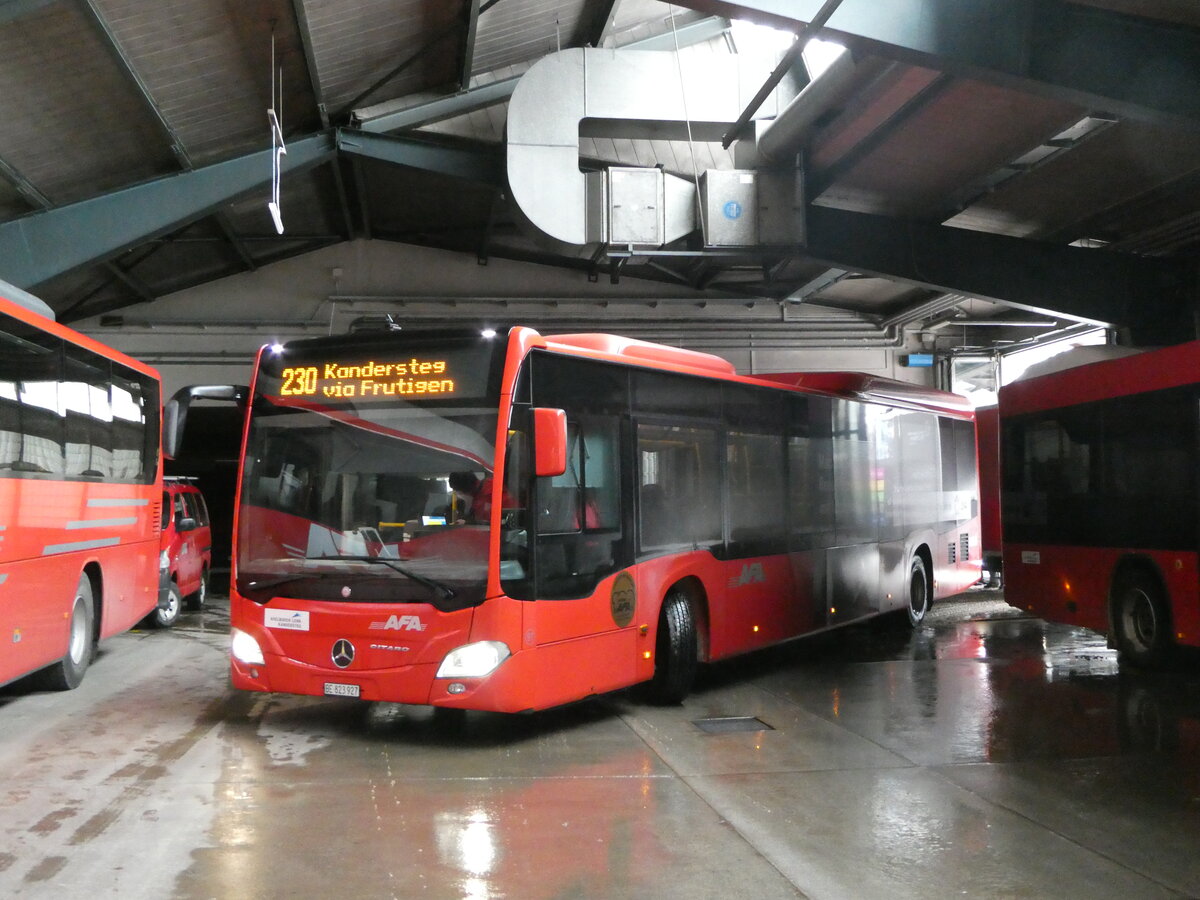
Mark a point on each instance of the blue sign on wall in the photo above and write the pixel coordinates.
(732, 209)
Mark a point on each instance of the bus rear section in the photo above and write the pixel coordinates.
(1099, 498)
(631, 511)
(80, 470)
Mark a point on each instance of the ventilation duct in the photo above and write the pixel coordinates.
(659, 95)
(616, 93)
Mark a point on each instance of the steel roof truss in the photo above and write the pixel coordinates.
(40, 246)
(1095, 58)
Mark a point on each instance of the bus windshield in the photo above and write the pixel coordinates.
(367, 473)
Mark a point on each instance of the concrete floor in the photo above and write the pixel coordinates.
(984, 755)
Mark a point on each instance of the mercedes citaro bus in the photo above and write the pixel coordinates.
(641, 508)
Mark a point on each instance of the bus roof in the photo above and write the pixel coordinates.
(18, 308)
(1123, 376)
(26, 299)
(850, 385)
(873, 389)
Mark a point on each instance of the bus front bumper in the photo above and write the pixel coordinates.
(507, 689)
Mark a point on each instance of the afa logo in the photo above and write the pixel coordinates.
(752, 573)
(399, 623)
(623, 600)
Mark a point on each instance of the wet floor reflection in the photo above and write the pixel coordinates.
(982, 683)
(402, 801)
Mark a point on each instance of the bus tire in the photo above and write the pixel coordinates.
(1140, 619)
(675, 655)
(68, 672)
(165, 617)
(918, 591)
(196, 601)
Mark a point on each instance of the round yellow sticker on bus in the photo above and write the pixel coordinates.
(624, 599)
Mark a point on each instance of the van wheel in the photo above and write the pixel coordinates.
(67, 673)
(197, 600)
(167, 616)
(1143, 627)
(918, 592)
(674, 650)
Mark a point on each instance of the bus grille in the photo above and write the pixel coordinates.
(952, 553)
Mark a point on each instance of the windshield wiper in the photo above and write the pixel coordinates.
(444, 589)
(285, 579)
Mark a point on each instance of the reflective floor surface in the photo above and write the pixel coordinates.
(986, 754)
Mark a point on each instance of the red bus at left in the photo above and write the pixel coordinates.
(80, 494)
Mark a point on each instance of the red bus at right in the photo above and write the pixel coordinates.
(1099, 498)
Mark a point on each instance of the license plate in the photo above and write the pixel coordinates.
(333, 689)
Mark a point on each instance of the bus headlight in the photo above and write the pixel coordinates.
(473, 660)
(245, 649)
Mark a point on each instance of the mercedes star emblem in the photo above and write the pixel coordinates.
(343, 653)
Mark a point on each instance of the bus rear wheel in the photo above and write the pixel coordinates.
(918, 592)
(67, 673)
(675, 654)
(1143, 627)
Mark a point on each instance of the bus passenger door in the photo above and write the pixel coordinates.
(580, 541)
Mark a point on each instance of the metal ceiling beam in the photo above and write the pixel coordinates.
(392, 116)
(594, 25)
(426, 47)
(1144, 293)
(310, 59)
(807, 32)
(1135, 66)
(35, 198)
(40, 246)
(486, 166)
(173, 137)
(466, 53)
(310, 63)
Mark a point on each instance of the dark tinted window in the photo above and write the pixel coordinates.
(579, 385)
(1117, 473)
(676, 395)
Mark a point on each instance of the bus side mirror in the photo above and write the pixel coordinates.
(176, 409)
(549, 441)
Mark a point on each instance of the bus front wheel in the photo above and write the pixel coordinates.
(918, 592)
(1143, 627)
(67, 673)
(674, 650)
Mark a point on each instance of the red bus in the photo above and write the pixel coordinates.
(987, 429)
(80, 492)
(642, 508)
(1099, 498)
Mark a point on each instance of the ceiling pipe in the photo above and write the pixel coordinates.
(779, 141)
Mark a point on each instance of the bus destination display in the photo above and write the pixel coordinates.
(370, 380)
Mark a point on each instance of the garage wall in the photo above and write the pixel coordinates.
(210, 333)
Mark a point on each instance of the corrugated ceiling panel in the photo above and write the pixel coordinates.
(519, 30)
(969, 131)
(207, 66)
(73, 124)
(1119, 166)
(640, 19)
(358, 42)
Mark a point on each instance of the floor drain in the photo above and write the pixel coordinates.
(729, 724)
